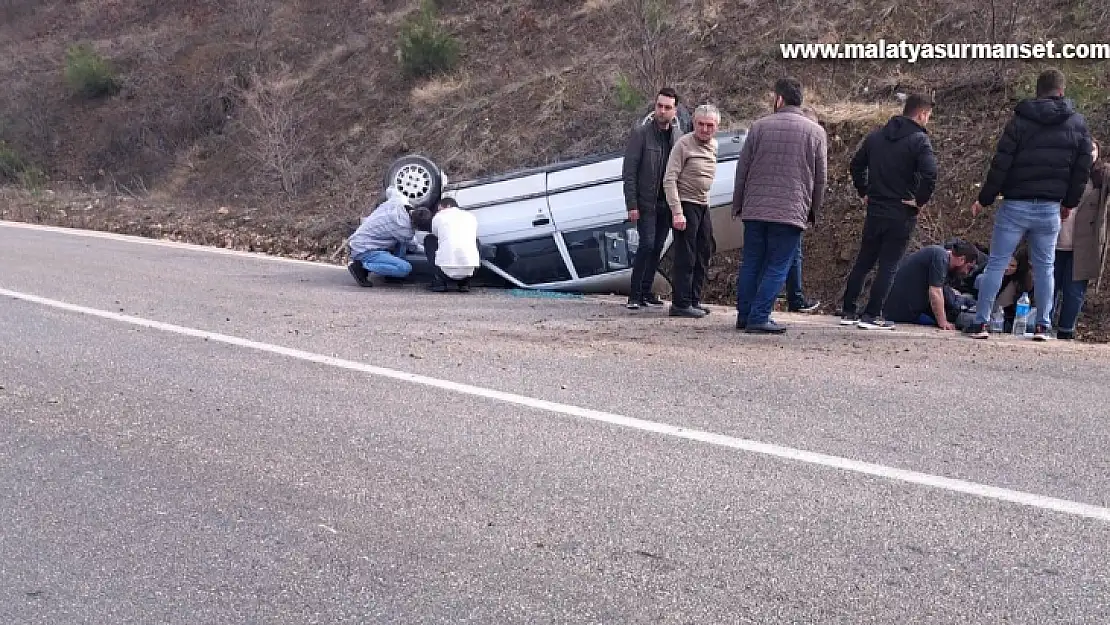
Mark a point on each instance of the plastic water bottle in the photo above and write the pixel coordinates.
(998, 321)
(1021, 315)
(633, 238)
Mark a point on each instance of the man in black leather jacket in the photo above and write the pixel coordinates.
(1040, 168)
(895, 172)
(645, 160)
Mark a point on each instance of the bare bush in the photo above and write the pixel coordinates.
(653, 43)
(254, 19)
(11, 10)
(29, 126)
(274, 115)
(1002, 20)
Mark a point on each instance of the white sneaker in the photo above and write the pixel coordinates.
(875, 323)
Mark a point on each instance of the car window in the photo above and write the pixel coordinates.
(729, 144)
(532, 261)
(600, 250)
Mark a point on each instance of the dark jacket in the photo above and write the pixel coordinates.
(895, 163)
(645, 161)
(1044, 153)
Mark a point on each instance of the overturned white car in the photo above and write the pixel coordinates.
(561, 227)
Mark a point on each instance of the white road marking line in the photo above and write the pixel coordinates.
(192, 247)
(788, 453)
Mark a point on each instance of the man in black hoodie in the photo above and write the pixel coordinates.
(1041, 168)
(895, 171)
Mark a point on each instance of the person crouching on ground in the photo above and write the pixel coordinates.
(920, 286)
(379, 243)
(1081, 247)
(1017, 279)
(690, 171)
(452, 247)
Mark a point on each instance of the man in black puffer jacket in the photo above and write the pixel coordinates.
(1041, 169)
(895, 171)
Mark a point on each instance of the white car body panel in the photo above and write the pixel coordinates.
(499, 222)
(576, 203)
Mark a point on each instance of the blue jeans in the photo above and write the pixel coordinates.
(385, 264)
(795, 296)
(769, 251)
(1072, 292)
(1039, 222)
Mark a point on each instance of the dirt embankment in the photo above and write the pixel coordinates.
(267, 126)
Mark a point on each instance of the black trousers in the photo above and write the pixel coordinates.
(431, 245)
(693, 247)
(884, 241)
(653, 229)
(953, 309)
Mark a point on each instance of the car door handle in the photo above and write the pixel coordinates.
(541, 221)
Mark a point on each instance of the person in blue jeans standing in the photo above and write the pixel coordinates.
(1040, 168)
(796, 300)
(781, 177)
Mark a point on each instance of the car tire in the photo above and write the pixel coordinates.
(418, 178)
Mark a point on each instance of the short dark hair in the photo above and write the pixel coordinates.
(965, 250)
(1050, 82)
(448, 202)
(668, 92)
(790, 90)
(421, 218)
(916, 103)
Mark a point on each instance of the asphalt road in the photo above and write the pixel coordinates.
(164, 475)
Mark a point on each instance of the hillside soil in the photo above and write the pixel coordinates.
(268, 126)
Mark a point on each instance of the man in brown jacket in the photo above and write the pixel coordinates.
(780, 186)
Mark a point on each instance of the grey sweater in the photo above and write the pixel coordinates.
(384, 230)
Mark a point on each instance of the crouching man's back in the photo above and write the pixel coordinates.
(452, 247)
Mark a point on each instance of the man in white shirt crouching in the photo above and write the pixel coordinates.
(452, 247)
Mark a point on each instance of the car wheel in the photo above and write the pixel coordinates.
(417, 178)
